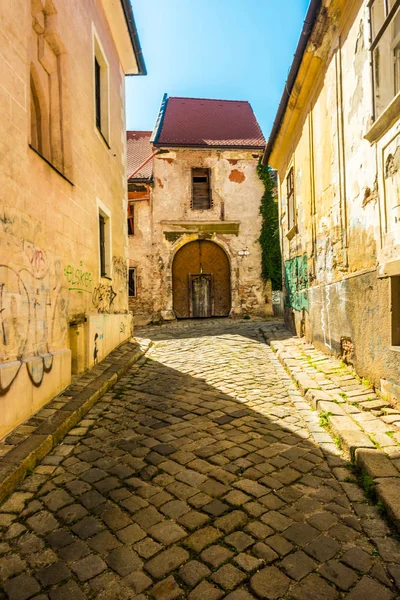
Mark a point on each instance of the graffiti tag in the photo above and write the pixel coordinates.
(103, 297)
(79, 280)
(296, 278)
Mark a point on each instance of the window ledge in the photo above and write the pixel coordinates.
(386, 120)
(101, 134)
(292, 232)
(395, 348)
(51, 165)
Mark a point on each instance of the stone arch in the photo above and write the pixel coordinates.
(201, 280)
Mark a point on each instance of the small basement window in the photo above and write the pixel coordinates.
(201, 191)
(395, 300)
(132, 283)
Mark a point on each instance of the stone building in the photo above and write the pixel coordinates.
(194, 200)
(336, 145)
(63, 242)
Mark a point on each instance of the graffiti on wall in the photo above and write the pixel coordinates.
(103, 297)
(296, 278)
(78, 279)
(32, 316)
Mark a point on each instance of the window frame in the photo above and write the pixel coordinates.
(134, 271)
(104, 245)
(193, 201)
(101, 90)
(375, 39)
(290, 199)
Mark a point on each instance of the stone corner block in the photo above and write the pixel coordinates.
(375, 463)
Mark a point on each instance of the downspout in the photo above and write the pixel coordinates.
(143, 164)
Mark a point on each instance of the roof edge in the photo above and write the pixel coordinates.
(160, 119)
(308, 26)
(207, 146)
(133, 34)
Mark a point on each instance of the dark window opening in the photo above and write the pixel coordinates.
(97, 76)
(290, 199)
(131, 218)
(102, 246)
(395, 293)
(132, 283)
(201, 191)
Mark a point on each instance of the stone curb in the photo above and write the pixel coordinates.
(364, 453)
(24, 457)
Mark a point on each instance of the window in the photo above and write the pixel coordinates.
(132, 283)
(395, 294)
(97, 78)
(102, 234)
(290, 200)
(131, 218)
(104, 244)
(385, 48)
(101, 91)
(201, 192)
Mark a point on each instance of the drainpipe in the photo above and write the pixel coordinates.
(143, 164)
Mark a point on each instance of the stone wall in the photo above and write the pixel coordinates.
(345, 244)
(50, 284)
(167, 222)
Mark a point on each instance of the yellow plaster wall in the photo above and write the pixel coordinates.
(49, 272)
(351, 236)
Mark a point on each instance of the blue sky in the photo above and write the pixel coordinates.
(228, 49)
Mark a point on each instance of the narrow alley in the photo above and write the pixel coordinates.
(203, 474)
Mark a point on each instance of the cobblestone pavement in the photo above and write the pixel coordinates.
(203, 475)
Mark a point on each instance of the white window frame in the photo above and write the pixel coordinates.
(106, 213)
(99, 54)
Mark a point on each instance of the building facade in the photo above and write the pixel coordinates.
(194, 199)
(336, 145)
(63, 242)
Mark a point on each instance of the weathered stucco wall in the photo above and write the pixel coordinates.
(167, 222)
(49, 234)
(347, 191)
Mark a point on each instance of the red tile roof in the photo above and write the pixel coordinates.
(138, 151)
(202, 122)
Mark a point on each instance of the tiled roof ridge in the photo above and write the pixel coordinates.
(208, 99)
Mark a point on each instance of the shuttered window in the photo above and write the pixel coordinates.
(201, 192)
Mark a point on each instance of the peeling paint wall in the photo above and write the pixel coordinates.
(53, 301)
(347, 194)
(167, 222)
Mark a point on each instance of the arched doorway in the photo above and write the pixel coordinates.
(201, 281)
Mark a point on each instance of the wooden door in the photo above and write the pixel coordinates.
(200, 288)
(195, 259)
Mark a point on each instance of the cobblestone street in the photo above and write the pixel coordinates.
(203, 474)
